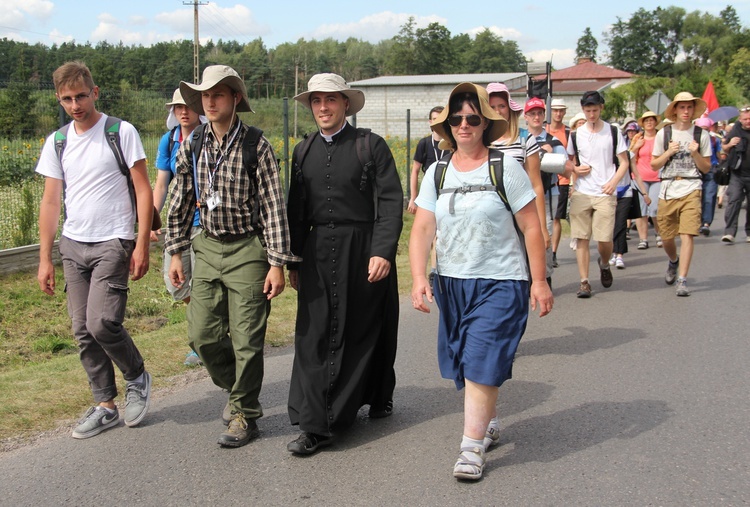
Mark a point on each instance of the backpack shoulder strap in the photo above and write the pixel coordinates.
(112, 131)
(496, 176)
(697, 133)
(170, 146)
(250, 163)
(195, 141)
(575, 146)
(667, 136)
(61, 139)
(299, 154)
(440, 169)
(615, 138)
(366, 160)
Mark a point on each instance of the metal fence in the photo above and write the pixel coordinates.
(22, 137)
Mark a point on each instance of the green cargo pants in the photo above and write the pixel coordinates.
(227, 317)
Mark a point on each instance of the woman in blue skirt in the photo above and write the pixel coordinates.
(482, 289)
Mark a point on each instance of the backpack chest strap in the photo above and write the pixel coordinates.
(464, 190)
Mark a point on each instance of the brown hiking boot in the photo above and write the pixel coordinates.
(584, 291)
(239, 432)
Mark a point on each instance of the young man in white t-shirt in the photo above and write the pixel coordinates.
(593, 203)
(97, 245)
(681, 167)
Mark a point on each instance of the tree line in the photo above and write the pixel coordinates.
(666, 47)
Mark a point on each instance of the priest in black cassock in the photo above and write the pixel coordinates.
(345, 217)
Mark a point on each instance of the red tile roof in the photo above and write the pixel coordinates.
(588, 71)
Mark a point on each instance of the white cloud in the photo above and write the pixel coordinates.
(373, 28)
(22, 13)
(214, 22)
(561, 58)
(505, 33)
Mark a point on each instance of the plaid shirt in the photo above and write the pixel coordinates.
(233, 186)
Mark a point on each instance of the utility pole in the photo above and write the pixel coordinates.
(196, 41)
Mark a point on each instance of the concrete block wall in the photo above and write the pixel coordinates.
(24, 258)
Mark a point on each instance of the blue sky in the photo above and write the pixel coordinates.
(543, 30)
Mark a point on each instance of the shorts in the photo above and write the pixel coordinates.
(592, 217)
(562, 203)
(481, 324)
(680, 216)
(652, 188)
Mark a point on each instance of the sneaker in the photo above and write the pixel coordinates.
(555, 264)
(704, 230)
(239, 432)
(659, 242)
(584, 291)
(605, 274)
(672, 271)
(94, 421)
(682, 289)
(613, 260)
(747, 240)
(137, 400)
(470, 464)
(620, 263)
(643, 244)
(308, 443)
(192, 359)
(727, 238)
(491, 437)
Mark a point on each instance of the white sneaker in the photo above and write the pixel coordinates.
(620, 263)
(612, 260)
(727, 238)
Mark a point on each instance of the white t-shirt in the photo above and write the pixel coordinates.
(595, 150)
(479, 239)
(682, 163)
(97, 202)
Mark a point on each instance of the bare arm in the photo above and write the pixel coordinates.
(145, 201)
(49, 214)
(420, 240)
(529, 224)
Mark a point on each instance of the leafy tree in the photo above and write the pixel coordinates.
(490, 53)
(401, 57)
(739, 70)
(587, 45)
(16, 105)
(433, 50)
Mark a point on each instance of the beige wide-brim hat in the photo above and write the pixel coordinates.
(574, 119)
(215, 75)
(498, 124)
(700, 105)
(558, 104)
(328, 82)
(648, 114)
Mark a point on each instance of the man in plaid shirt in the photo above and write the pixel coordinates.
(240, 255)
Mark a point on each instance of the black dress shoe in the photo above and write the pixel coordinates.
(308, 443)
(380, 412)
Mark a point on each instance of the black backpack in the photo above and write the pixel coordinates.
(112, 131)
(249, 162)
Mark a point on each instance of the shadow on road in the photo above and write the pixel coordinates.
(580, 341)
(551, 437)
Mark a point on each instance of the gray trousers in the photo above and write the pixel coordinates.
(96, 283)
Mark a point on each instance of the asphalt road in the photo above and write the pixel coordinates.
(633, 397)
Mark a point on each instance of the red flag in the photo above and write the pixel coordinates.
(710, 97)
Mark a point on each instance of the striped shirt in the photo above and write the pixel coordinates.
(232, 185)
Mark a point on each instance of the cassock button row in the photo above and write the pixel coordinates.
(330, 210)
(328, 176)
(333, 374)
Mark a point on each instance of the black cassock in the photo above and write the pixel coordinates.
(346, 331)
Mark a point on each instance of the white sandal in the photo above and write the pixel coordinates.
(470, 464)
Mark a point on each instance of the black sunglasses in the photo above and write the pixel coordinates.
(473, 120)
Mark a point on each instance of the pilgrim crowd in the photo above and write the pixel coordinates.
(483, 247)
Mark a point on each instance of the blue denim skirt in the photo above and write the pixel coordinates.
(481, 323)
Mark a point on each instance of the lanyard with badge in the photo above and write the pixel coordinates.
(435, 150)
(214, 199)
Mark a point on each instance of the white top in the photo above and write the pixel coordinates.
(479, 239)
(682, 163)
(595, 150)
(97, 202)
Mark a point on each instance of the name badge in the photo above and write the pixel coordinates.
(213, 201)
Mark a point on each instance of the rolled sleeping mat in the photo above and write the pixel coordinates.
(553, 162)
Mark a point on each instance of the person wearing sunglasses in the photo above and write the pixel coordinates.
(484, 286)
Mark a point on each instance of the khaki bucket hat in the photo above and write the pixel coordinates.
(214, 75)
(498, 124)
(700, 105)
(327, 82)
(648, 114)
